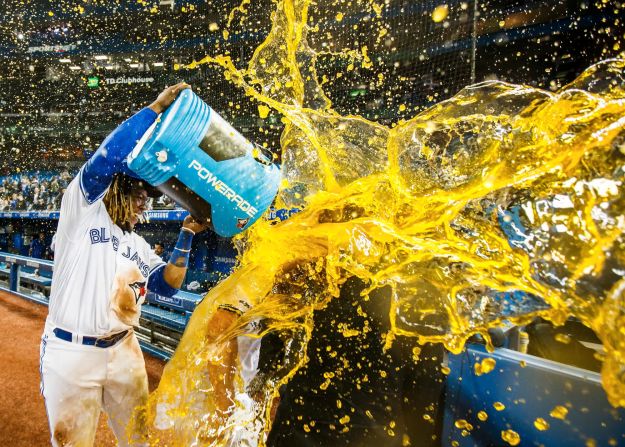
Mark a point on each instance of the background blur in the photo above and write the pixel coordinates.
(73, 70)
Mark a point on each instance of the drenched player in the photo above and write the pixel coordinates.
(90, 356)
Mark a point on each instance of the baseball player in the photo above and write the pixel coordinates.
(90, 356)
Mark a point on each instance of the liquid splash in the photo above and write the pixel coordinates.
(417, 208)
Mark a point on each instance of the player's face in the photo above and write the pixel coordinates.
(139, 202)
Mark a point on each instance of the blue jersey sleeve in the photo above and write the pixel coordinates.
(96, 175)
(157, 283)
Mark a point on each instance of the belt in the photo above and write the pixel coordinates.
(98, 342)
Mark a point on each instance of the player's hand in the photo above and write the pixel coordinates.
(191, 224)
(168, 96)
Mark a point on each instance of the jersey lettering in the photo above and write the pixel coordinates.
(98, 236)
(115, 243)
(145, 268)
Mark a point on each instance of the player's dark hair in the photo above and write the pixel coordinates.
(118, 204)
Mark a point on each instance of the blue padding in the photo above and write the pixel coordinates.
(529, 387)
(164, 317)
(109, 159)
(181, 301)
(158, 285)
(170, 302)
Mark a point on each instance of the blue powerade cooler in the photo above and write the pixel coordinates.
(195, 157)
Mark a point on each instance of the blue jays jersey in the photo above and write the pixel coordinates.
(100, 272)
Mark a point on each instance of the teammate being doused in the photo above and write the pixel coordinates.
(90, 356)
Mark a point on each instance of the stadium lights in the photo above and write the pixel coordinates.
(20, 36)
(109, 67)
(74, 67)
(100, 57)
(127, 59)
(65, 61)
(134, 65)
(158, 64)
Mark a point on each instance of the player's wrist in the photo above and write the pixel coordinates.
(156, 107)
(181, 252)
(187, 229)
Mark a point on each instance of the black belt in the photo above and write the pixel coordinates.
(98, 342)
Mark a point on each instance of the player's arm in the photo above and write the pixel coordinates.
(96, 175)
(167, 279)
(222, 374)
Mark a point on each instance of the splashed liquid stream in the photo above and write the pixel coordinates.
(416, 207)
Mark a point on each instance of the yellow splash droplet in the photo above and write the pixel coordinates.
(402, 107)
(499, 406)
(213, 26)
(263, 111)
(591, 443)
(463, 424)
(486, 366)
(541, 424)
(50, 13)
(511, 437)
(415, 353)
(339, 16)
(559, 412)
(440, 13)
(344, 420)
(482, 415)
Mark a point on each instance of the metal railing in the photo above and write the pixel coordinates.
(162, 320)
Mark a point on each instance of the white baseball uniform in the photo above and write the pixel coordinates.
(98, 286)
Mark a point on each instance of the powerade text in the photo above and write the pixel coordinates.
(223, 189)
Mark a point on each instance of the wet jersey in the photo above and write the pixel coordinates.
(100, 272)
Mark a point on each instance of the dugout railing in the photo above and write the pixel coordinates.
(162, 321)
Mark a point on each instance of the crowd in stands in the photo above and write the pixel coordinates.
(35, 191)
(43, 191)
